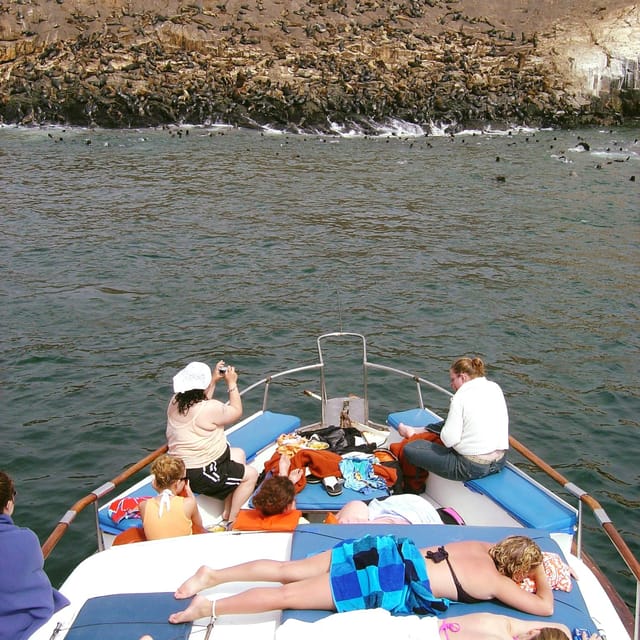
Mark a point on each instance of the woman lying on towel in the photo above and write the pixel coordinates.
(380, 623)
(384, 571)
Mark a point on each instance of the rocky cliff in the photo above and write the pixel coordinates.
(303, 63)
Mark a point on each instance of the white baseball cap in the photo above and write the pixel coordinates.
(196, 375)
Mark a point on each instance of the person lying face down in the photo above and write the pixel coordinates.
(466, 571)
(379, 623)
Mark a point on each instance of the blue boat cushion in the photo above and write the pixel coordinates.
(314, 498)
(309, 539)
(528, 503)
(125, 616)
(109, 526)
(413, 418)
(261, 431)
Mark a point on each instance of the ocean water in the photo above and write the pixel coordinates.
(125, 254)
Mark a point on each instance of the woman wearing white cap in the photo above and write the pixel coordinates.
(195, 433)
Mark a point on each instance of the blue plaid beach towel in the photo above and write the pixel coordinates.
(382, 571)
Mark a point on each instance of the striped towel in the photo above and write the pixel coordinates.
(382, 571)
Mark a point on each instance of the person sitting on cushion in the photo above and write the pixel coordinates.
(475, 435)
(175, 511)
(274, 502)
(274, 508)
(196, 434)
(27, 599)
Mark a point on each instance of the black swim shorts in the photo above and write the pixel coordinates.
(218, 478)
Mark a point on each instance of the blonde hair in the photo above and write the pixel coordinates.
(516, 554)
(473, 367)
(167, 470)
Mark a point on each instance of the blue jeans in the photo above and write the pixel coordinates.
(447, 462)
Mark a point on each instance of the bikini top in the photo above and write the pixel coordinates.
(440, 555)
(455, 627)
(449, 626)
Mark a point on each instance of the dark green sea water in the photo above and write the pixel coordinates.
(124, 258)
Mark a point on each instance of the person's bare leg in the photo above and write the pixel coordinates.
(256, 571)
(312, 593)
(226, 508)
(243, 492)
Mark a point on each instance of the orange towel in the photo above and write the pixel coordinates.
(323, 464)
(415, 478)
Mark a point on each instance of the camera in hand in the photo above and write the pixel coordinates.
(222, 370)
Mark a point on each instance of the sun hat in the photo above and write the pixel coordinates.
(196, 375)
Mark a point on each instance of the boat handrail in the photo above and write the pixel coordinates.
(92, 498)
(274, 376)
(417, 379)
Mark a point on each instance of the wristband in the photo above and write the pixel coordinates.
(232, 389)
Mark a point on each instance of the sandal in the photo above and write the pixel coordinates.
(311, 479)
(222, 526)
(333, 485)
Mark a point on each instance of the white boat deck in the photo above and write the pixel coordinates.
(162, 565)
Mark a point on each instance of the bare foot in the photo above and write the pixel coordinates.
(201, 579)
(295, 475)
(284, 464)
(200, 607)
(406, 431)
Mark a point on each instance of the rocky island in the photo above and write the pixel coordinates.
(304, 64)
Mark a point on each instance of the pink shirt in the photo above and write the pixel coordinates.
(195, 442)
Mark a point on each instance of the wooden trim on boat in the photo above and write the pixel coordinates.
(625, 553)
(621, 607)
(92, 497)
(626, 616)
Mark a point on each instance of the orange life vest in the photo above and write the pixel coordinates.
(253, 520)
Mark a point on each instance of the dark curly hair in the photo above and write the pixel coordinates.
(7, 490)
(187, 399)
(274, 496)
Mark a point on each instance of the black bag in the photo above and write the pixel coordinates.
(339, 440)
